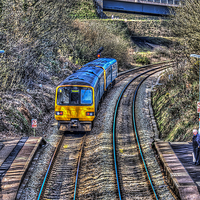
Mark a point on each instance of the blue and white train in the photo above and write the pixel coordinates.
(78, 96)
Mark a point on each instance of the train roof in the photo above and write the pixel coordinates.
(89, 73)
(92, 69)
(81, 78)
(102, 62)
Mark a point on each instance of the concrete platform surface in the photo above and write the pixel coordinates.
(11, 181)
(177, 161)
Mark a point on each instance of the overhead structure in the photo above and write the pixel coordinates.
(150, 7)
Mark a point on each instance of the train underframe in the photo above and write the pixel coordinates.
(75, 125)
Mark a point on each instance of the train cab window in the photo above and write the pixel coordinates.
(63, 96)
(86, 96)
(74, 97)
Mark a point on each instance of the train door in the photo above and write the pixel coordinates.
(101, 85)
(96, 93)
(114, 70)
(108, 76)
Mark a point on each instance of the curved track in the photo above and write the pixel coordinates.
(61, 178)
(131, 173)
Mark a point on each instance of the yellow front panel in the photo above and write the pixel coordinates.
(74, 112)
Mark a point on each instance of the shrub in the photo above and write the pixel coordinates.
(91, 35)
(142, 60)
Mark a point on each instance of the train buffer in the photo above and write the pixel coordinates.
(16, 155)
(176, 158)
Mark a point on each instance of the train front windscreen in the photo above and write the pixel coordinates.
(74, 96)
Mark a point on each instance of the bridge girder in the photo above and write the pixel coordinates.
(150, 8)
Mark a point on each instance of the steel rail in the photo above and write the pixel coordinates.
(79, 162)
(137, 137)
(114, 124)
(143, 67)
(49, 167)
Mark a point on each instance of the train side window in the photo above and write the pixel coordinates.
(109, 71)
(114, 67)
(101, 80)
(86, 96)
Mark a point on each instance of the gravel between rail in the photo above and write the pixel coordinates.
(60, 184)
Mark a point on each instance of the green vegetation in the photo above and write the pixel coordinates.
(184, 25)
(142, 60)
(130, 16)
(17, 120)
(174, 102)
(150, 28)
(42, 36)
(83, 9)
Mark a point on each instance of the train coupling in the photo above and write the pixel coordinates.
(75, 125)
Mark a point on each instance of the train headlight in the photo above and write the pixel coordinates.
(90, 113)
(59, 112)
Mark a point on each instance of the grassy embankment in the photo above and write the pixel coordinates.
(41, 50)
(174, 104)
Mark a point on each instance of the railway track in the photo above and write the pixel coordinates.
(124, 74)
(61, 180)
(132, 176)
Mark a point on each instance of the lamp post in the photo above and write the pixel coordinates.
(197, 56)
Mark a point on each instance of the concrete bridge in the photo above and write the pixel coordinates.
(151, 7)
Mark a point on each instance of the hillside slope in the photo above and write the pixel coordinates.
(43, 43)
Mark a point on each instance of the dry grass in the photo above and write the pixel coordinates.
(94, 34)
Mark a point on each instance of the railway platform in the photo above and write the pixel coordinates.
(176, 158)
(16, 155)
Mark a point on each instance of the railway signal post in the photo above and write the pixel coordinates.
(99, 52)
(198, 103)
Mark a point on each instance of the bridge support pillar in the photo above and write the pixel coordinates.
(99, 7)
